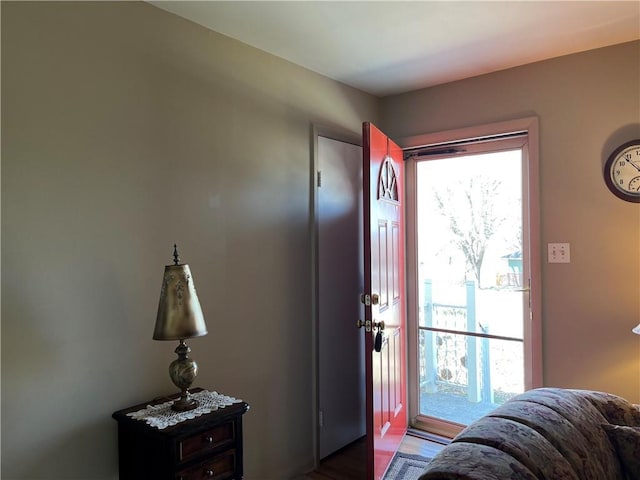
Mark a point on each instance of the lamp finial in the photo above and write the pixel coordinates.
(176, 258)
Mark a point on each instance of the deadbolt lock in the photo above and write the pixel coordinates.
(369, 300)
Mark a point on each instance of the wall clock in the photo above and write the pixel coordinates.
(622, 171)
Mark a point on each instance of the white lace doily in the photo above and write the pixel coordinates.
(161, 416)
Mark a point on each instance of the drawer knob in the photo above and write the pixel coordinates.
(208, 473)
(208, 439)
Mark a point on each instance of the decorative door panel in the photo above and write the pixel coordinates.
(383, 265)
(395, 248)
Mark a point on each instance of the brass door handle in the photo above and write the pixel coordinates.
(367, 324)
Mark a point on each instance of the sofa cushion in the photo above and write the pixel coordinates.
(471, 461)
(522, 443)
(546, 433)
(627, 443)
(557, 430)
(615, 409)
(580, 430)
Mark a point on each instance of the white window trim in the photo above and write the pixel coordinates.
(530, 189)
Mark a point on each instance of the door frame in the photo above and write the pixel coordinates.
(531, 189)
(354, 138)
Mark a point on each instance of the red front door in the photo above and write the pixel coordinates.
(385, 366)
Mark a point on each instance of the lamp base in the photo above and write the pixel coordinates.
(184, 403)
(183, 371)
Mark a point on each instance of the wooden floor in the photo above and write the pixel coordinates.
(349, 463)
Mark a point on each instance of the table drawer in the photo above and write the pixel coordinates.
(206, 441)
(220, 467)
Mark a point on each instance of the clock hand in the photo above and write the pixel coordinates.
(636, 166)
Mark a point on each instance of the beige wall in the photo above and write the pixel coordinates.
(587, 104)
(126, 129)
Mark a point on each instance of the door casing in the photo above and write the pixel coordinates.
(531, 221)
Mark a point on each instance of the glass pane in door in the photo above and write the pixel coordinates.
(471, 287)
(463, 378)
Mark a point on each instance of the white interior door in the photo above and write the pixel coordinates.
(341, 388)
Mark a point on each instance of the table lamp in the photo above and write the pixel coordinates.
(180, 317)
(636, 329)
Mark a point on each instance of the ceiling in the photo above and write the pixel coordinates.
(390, 47)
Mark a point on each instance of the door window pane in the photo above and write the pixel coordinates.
(471, 288)
(463, 377)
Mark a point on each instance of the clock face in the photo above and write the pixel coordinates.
(622, 171)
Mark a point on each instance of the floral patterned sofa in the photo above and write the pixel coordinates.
(547, 433)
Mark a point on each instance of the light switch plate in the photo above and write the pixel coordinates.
(559, 253)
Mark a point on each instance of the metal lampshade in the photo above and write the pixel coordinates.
(179, 312)
(180, 317)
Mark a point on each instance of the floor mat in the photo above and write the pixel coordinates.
(406, 467)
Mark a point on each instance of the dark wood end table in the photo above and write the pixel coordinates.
(208, 447)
